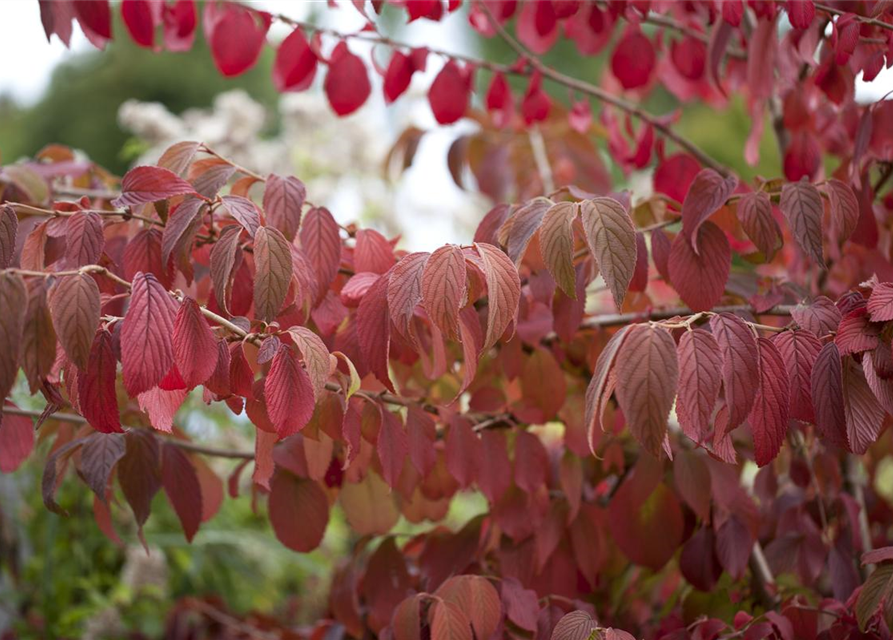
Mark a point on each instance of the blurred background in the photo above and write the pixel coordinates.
(124, 106)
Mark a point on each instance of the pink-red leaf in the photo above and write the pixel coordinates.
(374, 329)
(755, 213)
(97, 396)
(405, 290)
(821, 317)
(864, 414)
(740, 365)
(83, 238)
(826, 385)
(769, 416)
(273, 264)
(147, 351)
(707, 193)
(647, 372)
(16, 441)
(181, 484)
(288, 393)
(801, 203)
(295, 65)
(322, 245)
(700, 366)
(612, 242)
(195, 348)
(503, 290)
(449, 93)
(347, 82)
(880, 302)
(299, 511)
(799, 350)
(557, 245)
(149, 184)
(443, 288)
(700, 277)
(283, 201)
(75, 308)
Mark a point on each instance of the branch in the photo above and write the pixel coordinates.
(863, 19)
(182, 444)
(617, 319)
(603, 96)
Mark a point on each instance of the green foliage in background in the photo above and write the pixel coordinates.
(80, 107)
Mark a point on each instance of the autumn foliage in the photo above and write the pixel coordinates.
(692, 453)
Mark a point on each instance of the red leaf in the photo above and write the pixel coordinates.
(295, 65)
(700, 276)
(543, 384)
(531, 462)
(700, 364)
(633, 60)
(392, 447)
(755, 213)
(9, 225)
(224, 254)
(536, 104)
(181, 484)
(347, 83)
(422, 434)
(856, 334)
(299, 512)
(143, 253)
(880, 302)
(288, 393)
(146, 348)
(799, 350)
(195, 347)
(273, 265)
(801, 203)
(16, 441)
(322, 245)
(75, 308)
(449, 93)
(283, 200)
(150, 184)
(139, 472)
(844, 209)
(179, 234)
(84, 239)
(740, 365)
(97, 394)
(611, 237)
(405, 291)
(373, 253)
(602, 385)
(463, 452)
(236, 37)
(38, 342)
(317, 360)
(821, 317)
(494, 477)
(95, 18)
(520, 226)
(500, 102)
(245, 212)
(647, 372)
(521, 606)
(398, 76)
(503, 291)
(769, 416)
(826, 386)
(443, 288)
(374, 329)
(864, 414)
(801, 13)
(557, 245)
(449, 622)
(707, 193)
(692, 479)
(734, 543)
(576, 625)
(139, 18)
(99, 455)
(180, 20)
(475, 596)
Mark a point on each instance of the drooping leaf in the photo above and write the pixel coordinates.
(299, 511)
(700, 366)
(755, 214)
(647, 373)
(449, 93)
(9, 225)
(769, 416)
(74, 307)
(827, 395)
(236, 36)
(38, 336)
(374, 329)
(611, 237)
(856, 333)
(223, 262)
(16, 441)
(149, 184)
(799, 350)
(503, 291)
(347, 82)
(449, 622)
(245, 212)
(557, 245)
(99, 455)
(294, 67)
(316, 357)
(288, 393)
(283, 202)
(601, 386)
(195, 347)
(700, 278)
(83, 239)
(844, 209)
(740, 365)
(372, 253)
(322, 246)
(477, 598)
(519, 228)
(179, 477)
(875, 590)
(443, 288)
(801, 204)
(143, 253)
(864, 414)
(405, 290)
(147, 351)
(706, 194)
(273, 264)
(96, 386)
(369, 506)
(392, 447)
(139, 472)
(179, 233)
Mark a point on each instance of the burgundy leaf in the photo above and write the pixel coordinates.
(288, 393)
(740, 365)
(273, 265)
(801, 204)
(283, 201)
(700, 366)
(799, 350)
(700, 277)
(75, 308)
(147, 351)
(827, 396)
(443, 288)
(707, 193)
(97, 393)
(182, 487)
(149, 184)
(821, 317)
(322, 245)
(755, 213)
(195, 347)
(769, 416)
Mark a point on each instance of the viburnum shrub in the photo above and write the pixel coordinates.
(712, 461)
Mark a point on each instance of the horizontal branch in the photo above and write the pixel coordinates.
(182, 444)
(618, 319)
